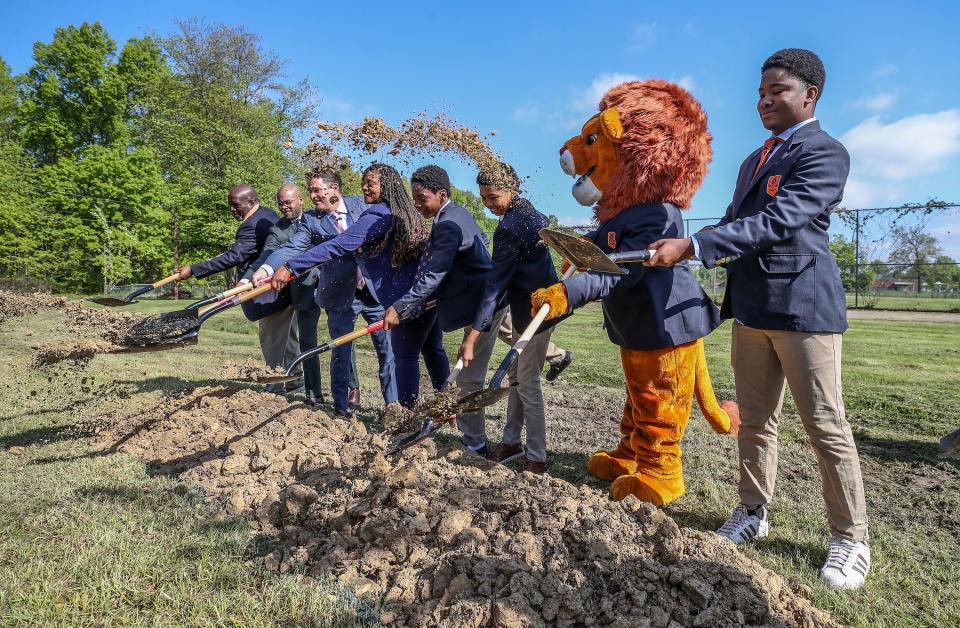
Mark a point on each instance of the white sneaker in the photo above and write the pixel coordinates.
(847, 566)
(742, 526)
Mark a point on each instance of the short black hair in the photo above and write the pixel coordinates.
(803, 64)
(327, 176)
(434, 178)
(502, 177)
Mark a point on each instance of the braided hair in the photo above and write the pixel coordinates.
(408, 231)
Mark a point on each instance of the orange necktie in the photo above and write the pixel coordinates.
(765, 152)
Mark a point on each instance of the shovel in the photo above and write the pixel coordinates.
(327, 346)
(181, 328)
(429, 425)
(584, 254)
(219, 297)
(129, 299)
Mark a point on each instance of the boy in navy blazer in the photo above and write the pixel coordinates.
(455, 268)
(784, 293)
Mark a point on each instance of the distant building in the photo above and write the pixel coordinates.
(894, 284)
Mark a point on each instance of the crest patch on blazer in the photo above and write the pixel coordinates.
(611, 239)
(773, 184)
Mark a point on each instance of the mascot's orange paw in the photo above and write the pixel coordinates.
(555, 296)
(647, 489)
(609, 465)
(733, 411)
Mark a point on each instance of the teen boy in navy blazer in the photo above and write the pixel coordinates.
(784, 293)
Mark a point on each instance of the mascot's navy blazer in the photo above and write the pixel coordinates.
(773, 238)
(647, 308)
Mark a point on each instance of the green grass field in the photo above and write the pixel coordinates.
(96, 540)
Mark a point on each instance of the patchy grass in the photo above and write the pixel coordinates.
(90, 540)
(96, 540)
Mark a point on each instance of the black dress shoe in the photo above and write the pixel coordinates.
(556, 369)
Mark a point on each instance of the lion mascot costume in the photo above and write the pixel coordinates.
(640, 161)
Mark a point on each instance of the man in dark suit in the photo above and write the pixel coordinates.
(784, 292)
(278, 336)
(341, 286)
(305, 309)
(456, 265)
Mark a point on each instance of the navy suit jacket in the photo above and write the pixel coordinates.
(647, 308)
(774, 241)
(336, 286)
(521, 264)
(248, 243)
(455, 270)
(303, 287)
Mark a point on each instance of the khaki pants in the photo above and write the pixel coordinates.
(525, 404)
(555, 354)
(278, 340)
(473, 424)
(763, 360)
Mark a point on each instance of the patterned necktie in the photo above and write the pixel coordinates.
(768, 147)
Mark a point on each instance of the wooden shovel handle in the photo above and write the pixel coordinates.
(166, 280)
(237, 290)
(253, 294)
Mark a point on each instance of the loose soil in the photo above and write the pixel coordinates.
(412, 139)
(96, 330)
(251, 371)
(442, 537)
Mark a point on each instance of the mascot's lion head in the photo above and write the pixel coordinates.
(648, 144)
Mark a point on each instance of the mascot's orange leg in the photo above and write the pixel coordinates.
(609, 465)
(660, 389)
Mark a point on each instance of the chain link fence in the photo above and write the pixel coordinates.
(890, 258)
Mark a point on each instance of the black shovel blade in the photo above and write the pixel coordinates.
(111, 302)
(471, 402)
(176, 343)
(580, 252)
(427, 430)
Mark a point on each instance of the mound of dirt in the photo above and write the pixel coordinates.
(447, 538)
(251, 371)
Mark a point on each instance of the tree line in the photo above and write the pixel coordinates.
(115, 162)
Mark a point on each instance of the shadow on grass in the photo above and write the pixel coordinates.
(36, 413)
(901, 450)
(172, 383)
(45, 436)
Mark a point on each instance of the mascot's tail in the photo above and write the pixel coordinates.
(722, 417)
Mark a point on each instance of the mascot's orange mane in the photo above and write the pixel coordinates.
(659, 148)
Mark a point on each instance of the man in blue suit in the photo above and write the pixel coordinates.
(456, 265)
(784, 293)
(342, 286)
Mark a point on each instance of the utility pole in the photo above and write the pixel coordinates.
(856, 259)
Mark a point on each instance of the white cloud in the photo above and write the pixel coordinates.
(576, 221)
(588, 99)
(528, 113)
(884, 157)
(878, 102)
(643, 36)
(884, 70)
(335, 106)
(686, 82)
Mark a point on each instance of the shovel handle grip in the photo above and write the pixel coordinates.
(333, 344)
(166, 280)
(519, 346)
(236, 290)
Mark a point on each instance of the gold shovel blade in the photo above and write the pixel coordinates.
(580, 252)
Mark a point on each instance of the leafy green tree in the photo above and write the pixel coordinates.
(846, 253)
(946, 272)
(220, 117)
(913, 249)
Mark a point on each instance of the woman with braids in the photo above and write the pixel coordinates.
(387, 240)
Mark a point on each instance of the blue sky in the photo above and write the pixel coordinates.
(533, 72)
